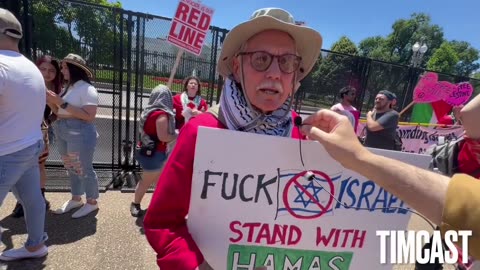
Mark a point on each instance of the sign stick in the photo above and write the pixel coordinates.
(407, 107)
(174, 69)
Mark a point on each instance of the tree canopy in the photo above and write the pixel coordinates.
(340, 68)
(62, 27)
(397, 47)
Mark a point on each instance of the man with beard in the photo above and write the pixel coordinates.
(345, 107)
(382, 122)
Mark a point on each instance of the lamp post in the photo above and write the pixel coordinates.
(418, 53)
(419, 49)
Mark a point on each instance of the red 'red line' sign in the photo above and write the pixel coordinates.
(190, 25)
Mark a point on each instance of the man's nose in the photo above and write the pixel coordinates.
(273, 71)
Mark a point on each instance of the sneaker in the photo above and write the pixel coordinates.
(68, 206)
(85, 210)
(18, 211)
(135, 209)
(23, 253)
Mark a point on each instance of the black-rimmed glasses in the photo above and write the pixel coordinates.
(261, 61)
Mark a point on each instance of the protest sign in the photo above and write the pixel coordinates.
(251, 205)
(190, 26)
(425, 91)
(429, 90)
(460, 94)
(417, 139)
(188, 31)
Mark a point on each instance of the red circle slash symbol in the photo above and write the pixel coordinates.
(303, 190)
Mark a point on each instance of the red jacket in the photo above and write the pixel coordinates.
(165, 225)
(178, 106)
(469, 157)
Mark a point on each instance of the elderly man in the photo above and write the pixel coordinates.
(382, 122)
(263, 61)
(20, 136)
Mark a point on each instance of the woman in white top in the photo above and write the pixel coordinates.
(76, 108)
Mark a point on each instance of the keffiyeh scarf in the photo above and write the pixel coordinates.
(160, 100)
(185, 100)
(239, 114)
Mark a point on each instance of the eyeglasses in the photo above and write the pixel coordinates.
(261, 61)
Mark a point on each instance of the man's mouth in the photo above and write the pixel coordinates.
(269, 91)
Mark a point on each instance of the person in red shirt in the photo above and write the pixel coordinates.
(157, 128)
(469, 150)
(189, 103)
(262, 60)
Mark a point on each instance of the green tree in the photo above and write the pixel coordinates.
(467, 55)
(444, 59)
(62, 27)
(333, 72)
(49, 37)
(345, 45)
(373, 47)
(397, 46)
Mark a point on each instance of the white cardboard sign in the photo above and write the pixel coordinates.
(251, 206)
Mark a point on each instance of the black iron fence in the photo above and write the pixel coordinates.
(129, 55)
(335, 70)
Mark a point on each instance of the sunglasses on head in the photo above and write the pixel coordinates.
(261, 61)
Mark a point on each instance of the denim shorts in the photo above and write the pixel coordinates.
(153, 163)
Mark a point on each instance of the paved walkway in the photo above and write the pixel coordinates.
(108, 239)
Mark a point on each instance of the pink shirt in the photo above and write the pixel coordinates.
(351, 112)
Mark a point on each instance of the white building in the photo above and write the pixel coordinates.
(160, 55)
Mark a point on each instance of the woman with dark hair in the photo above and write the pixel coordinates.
(76, 134)
(50, 70)
(188, 103)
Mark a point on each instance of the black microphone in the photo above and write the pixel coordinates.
(298, 121)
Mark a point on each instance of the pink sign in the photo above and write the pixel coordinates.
(429, 90)
(460, 94)
(443, 89)
(425, 90)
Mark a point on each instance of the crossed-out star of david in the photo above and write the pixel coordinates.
(306, 201)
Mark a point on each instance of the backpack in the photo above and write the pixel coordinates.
(444, 157)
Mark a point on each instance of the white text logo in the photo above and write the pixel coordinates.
(406, 247)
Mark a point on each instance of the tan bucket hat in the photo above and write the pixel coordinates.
(78, 61)
(308, 41)
(9, 25)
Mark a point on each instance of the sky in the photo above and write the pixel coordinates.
(356, 19)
